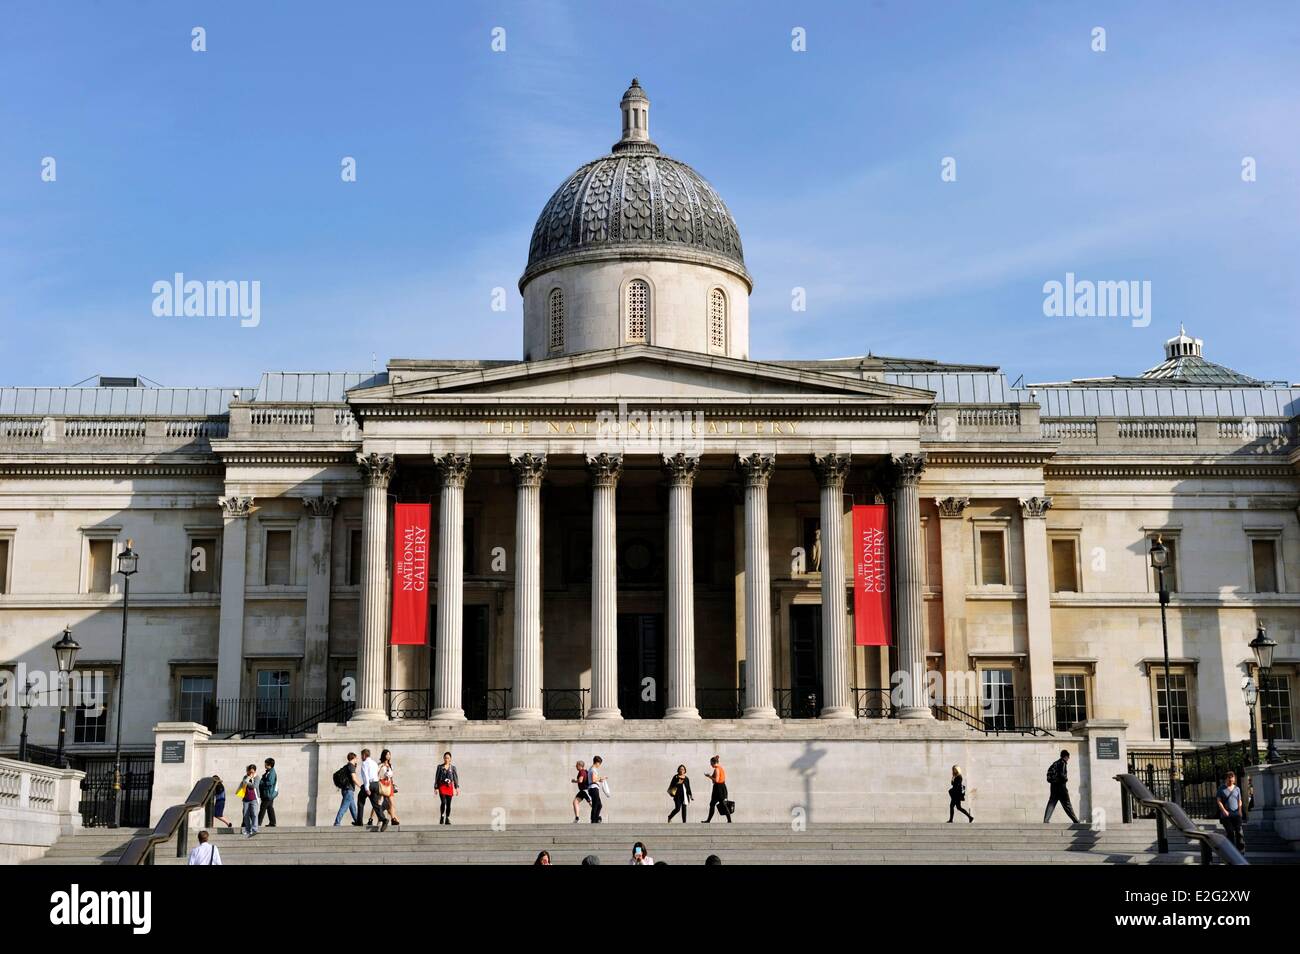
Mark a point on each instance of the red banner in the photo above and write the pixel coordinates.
(872, 625)
(410, 574)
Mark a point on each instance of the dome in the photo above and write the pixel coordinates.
(635, 203)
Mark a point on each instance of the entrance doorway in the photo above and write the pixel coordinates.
(805, 661)
(641, 657)
(474, 659)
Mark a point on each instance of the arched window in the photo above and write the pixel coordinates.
(557, 320)
(638, 311)
(717, 320)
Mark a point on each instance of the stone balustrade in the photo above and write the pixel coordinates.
(38, 804)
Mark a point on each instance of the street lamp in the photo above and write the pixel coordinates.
(1159, 563)
(1262, 646)
(127, 561)
(1250, 693)
(26, 706)
(65, 651)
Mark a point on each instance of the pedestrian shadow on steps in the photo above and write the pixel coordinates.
(805, 766)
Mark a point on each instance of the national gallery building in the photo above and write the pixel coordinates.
(641, 540)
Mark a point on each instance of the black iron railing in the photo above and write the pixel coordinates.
(49, 756)
(565, 703)
(98, 803)
(1170, 813)
(873, 703)
(796, 703)
(276, 718)
(1022, 715)
(720, 703)
(1201, 772)
(489, 704)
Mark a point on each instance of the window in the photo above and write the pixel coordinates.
(717, 320)
(993, 558)
(1263, 555)
(90, 696)
(203, 565)
(4, 565)
(638, 311)
(272, 700)
(1275, 705)
(557, 320)
(997, 697)
(196, 698)
(1171, 568)
(355, 557)
(279, 550)
(99, 577)
(1065, 566)
(1071, 699)
(1179, 698)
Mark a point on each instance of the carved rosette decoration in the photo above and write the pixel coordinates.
(832, 469)
(236, 506)
(605, 469)
(951, 506)
(681, 468)
(908, 468)
(1035, 506)
(454, 469)
(320, 506)
(529, 469)
(757, 468)
(376, 469)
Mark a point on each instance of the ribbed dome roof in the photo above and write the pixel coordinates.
(635, 202)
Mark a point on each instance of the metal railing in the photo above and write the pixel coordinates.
(1021, 715)
(489, 704)
(565, 703)
(873, 703)
(175, 822)
(1200, 773)
(796, 703)
(1169, 813)
(720, 703)
(275, 718)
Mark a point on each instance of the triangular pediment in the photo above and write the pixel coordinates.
(634, 372)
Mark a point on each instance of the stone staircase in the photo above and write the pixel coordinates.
(885, 844)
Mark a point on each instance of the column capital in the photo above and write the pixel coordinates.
(757, 468)
(951, 506)
(454, 469)
(320, 506)
(529, 469)
(1035, 506)
(605, 469)
(832, 469)
(376, 469)
(681, 468)
(907, 469)
(236, 506)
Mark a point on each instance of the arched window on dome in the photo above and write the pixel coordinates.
(718, 321)
(638, 311)
(556, 320)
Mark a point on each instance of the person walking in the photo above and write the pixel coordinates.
(219, 803)
(247, 794)
(447, 781)
(679, 787)
(369, 778)
(1232, 810)
(640, 856)
(346, 781)
(594, 781)
(204, 853)
(388, 785)
(1057, 776)
(581, 778)
(957, 795)
(267, 789)
(718, 799)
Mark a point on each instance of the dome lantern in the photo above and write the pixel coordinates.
(635, 107)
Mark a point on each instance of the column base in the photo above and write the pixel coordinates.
(368, 715)
(682, 712)
(605, 714)
(526, 715)
(447, 715)
(913, 712)
(840, 712)
(761, 712)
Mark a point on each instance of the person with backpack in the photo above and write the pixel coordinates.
(346, 781)
(583, 780)
(204, 853)
(247, 794)
(595, 780)
(267, 789)
(718, 799)
(957, 795)
(1057, 776)
(1232, 810)
(447, 781)
(679, 787)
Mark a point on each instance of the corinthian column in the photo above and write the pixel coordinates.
(527, 691)
(832, 469)
(376, 472)
(605, 470)
(757, 469)
(448, 704)
(681, 588)
(910, 565)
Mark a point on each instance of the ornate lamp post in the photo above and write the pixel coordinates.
(26, 705)
(1262, 646)
(65, 651)
(1159, 563)
(127, 561)
(1250, 693)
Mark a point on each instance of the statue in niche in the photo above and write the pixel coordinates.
(817, 550)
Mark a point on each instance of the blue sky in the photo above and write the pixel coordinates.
(1122, 165)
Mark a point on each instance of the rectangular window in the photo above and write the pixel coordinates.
(272, 700)
(197, 695)
(1275, 705)
(278, 557)
(355, 557)
(1071, 699)
(99, 579)
(4, 566)
(90, 719)
(1263, 552)
(1178, 698)
(997, 696)
(203, 565)
(1065, 567)
(993, 559)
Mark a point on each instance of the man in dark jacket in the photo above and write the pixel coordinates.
(1056, 778)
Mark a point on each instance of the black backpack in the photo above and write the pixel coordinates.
(1053, 772)
(343, 778)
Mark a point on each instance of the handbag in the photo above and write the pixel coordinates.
(731, 807)
(673, 791)
(386, 788)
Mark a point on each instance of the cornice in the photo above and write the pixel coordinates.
(951, 458)
(1147, 469)
(66, 469)
(802, 406)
